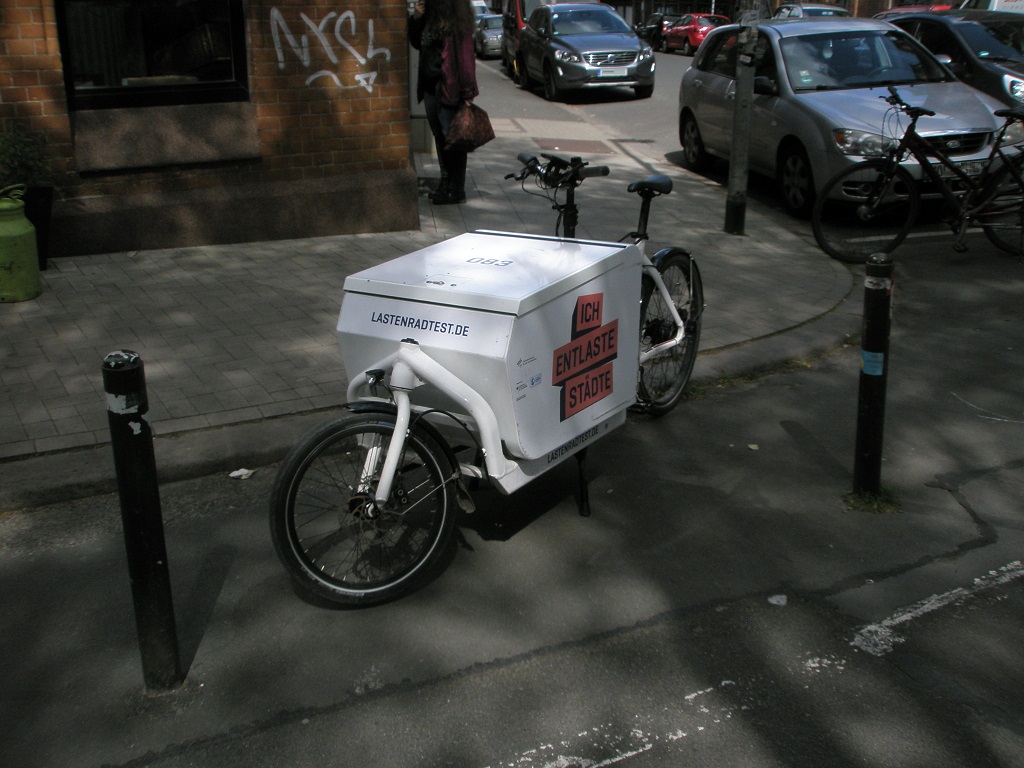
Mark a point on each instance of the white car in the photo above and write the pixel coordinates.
(818, 105)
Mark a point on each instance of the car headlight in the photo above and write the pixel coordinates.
(1014, 134)
(645, 52)
(862, 143)
(1014, 86)
(569, 56)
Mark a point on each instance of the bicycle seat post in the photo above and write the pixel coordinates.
(571, 212)
(645, 212)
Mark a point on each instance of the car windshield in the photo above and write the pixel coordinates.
(491, 23)
(826, 12)
(710, 21)
(587, 21)
(1002, 40)
(841, 60)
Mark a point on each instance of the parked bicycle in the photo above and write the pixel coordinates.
(491, 356)
(872, 206)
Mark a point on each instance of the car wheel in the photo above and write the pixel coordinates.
(687, 48)
(551, 91)
(694, 156)
(796, 182)
(662, 44)
(644, 91)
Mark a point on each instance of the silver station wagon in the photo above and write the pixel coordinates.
(818, 105)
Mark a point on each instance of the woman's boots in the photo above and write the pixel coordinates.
(452, 189)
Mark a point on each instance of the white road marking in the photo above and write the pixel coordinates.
(879, 639)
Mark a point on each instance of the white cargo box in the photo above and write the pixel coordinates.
(546, 329)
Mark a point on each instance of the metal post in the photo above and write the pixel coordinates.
(739, 153)
(124, 382)
(874, 371)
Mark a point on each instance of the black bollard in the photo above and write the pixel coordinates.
(874, 372)
(124, 382)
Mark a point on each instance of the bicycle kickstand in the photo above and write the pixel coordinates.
(584, 498)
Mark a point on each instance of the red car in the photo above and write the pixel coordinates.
(689, 32)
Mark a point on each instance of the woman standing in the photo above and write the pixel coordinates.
(442, 31)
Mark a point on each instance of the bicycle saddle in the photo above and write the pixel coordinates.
(657, 183)
(1017, 113)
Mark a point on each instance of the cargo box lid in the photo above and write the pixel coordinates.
(492, 271)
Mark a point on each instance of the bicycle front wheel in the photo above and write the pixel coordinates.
(1002, 217)
(868, 208)
(663, 378)
(333, 539)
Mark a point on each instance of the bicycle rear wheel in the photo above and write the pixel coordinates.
(868, 208)
(663, 378)
(336, 543)
(1002, 217)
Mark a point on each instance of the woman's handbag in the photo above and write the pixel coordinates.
(470, 128)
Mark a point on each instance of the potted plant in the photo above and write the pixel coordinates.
(23, 161)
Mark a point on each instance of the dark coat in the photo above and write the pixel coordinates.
(449, 61)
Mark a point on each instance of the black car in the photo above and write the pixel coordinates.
(655, 26)
(985, 48)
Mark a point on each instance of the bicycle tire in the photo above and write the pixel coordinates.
(332, 541)
(1002, 215)
(662, 380)
(867, 208)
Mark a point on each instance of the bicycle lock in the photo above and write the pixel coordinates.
(124, 382)
(874, 370)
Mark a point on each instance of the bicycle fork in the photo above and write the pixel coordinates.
(411, 367)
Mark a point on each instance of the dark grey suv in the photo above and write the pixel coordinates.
(573, 46)
(985, 48)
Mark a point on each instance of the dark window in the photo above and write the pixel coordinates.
(139, 53)
(721, 59)
(937, 39)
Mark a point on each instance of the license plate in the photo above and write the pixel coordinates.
(611, 72)
(970, 167)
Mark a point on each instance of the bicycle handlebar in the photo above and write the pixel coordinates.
(557, 171)
(528, 160)
(897, 101)
(595, 170)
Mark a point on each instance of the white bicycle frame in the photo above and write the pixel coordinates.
(412, 367)
(662, 289)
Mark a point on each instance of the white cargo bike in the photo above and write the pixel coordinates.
(491, 356)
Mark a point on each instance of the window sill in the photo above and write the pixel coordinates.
(122, 139)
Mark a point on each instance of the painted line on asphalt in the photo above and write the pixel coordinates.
(879, 639)
(611, 738)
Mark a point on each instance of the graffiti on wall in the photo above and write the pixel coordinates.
(335, 34)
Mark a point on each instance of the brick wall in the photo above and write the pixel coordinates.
(326, 115)
(31, 80)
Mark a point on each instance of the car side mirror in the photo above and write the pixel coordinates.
(958, 68)
(765, 86)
